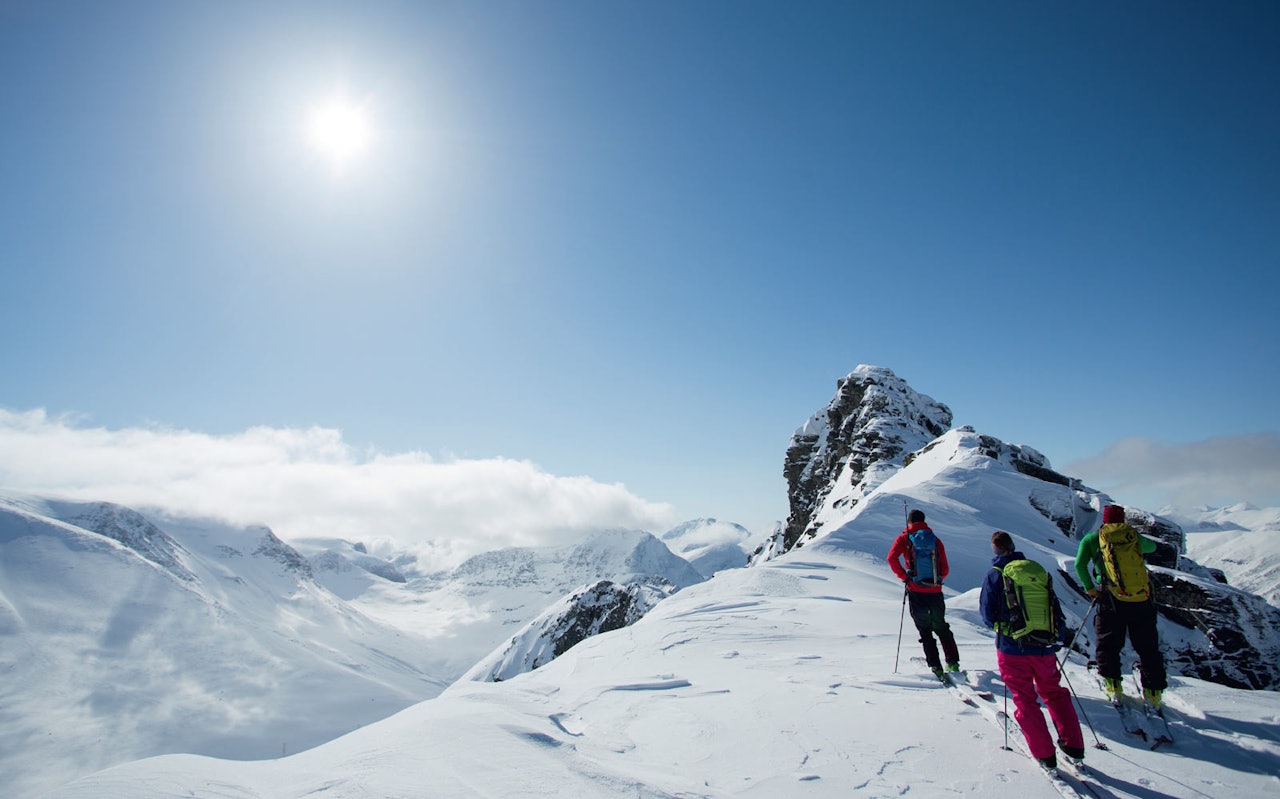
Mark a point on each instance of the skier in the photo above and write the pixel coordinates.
(925, 569)
(1027, 636)
(1124, 603)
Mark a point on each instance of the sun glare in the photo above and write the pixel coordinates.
(339, 131)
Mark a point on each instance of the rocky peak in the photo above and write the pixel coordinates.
(128, 527)
(876, 426)
(273, 548)
(852, 445)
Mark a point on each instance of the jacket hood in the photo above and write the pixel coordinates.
(999, 561)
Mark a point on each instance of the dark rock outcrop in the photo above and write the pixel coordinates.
(131, 529)
(874, 420)
(1243, 649)
(598, 608)
(273, 548)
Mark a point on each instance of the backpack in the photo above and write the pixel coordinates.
(924, 557)
(1028, 596)
(1124, 570)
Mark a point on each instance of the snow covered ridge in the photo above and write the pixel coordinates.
(126, 634)
(774, 681)
(855, 454)
(123, 637)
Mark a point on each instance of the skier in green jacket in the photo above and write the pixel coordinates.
(1124, 603)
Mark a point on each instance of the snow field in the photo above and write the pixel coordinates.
(773, 681)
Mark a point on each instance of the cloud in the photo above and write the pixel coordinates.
(310, 483)
(1216, 471)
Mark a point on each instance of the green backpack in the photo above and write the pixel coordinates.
(1028, 594)
(1124, 569)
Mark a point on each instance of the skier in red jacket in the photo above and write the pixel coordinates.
(925, 568)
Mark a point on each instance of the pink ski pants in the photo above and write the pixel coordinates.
(1028, 676)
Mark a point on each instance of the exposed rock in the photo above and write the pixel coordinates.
(1243, 649)
(357, 558)
(597, 608)
(131, 529)
(874, 420)
(274, 549)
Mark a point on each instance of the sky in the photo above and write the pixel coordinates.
(596, 261)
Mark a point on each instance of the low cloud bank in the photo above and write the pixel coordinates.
(1216, 471)
(310, 483)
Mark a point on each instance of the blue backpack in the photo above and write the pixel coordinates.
(924, 557)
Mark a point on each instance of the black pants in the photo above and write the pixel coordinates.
(1115, 619)
(929, 611)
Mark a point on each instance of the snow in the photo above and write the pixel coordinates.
(772, 681)
(107, 656)
(1241, 540)
(125, 635)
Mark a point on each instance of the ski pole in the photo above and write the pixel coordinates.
(1067, 653)
(1098, 744)
(901, 618)
(1006, 718)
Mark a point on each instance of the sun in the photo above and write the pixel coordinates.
(339, 130)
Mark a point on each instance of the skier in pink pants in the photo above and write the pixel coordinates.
(1029, 667)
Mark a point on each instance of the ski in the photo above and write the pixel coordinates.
(958, 682)
(1070, 782)
(974, 687)
(1154, 716)
(1083, 774)
(956, 690)
(1060, 782)
(1134, 721)
(1131, 718)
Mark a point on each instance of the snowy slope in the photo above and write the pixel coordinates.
(1241, 540)
(483, 602)
(131, 641)
(124, 635)
(772, 681)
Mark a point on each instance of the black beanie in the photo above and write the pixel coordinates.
(915, 517)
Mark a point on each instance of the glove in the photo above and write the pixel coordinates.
(1093, 593)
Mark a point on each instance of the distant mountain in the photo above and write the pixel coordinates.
(124, 636)
(711, 546)
(544, 592)
(1240, 541)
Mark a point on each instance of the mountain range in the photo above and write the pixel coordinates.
(773, 680)
(128, 634)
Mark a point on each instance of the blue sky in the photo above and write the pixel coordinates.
(639, 242)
